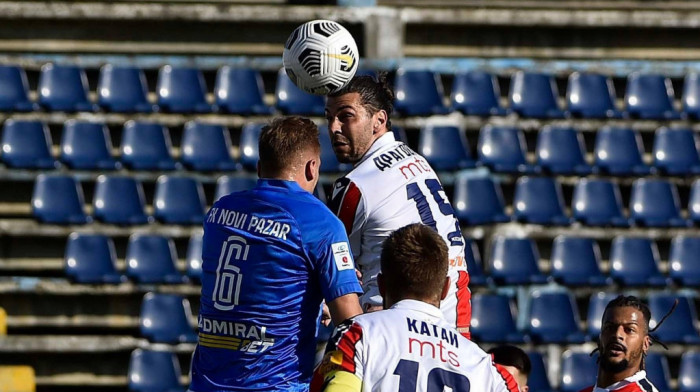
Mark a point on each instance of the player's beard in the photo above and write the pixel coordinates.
(614, 367)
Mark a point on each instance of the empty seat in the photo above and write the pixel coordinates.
(240, 91)
(292, 100)
(58, 199)
(554, 318)
(650, 96)
(676, 151)
(165, 318)
(655, 203)
(478, 201)
(561, 150)
(64, 88)
(689, 372)
(26, 144)
(329, 163)
(597, 202)
(534, 95)
(154, 371)
(14, 90)
(476, 93)
(576, 262)
(656, 366)
(179, 200)
(683, 260)
(17, 378)
(123, 89)
(591, 95)
(193, 261)
(619, 151)
(634, 261)
(445, 148)
(474, 264)
(418, 93)
(515, 261)
(694, 202)
(502, 149)
(119, 200)
(206, 147)
(226, 185)
(182, 90)
(691, 95)
(250, 136)
(146, 146)
(539, 200)
(596, 308)
(578, 370)
(87, 146)
(151, 258)
(538, 381)
(492, 320)
(679, 327)
(91, 258)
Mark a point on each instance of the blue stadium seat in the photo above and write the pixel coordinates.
(418, 93)
(123, 89)
(596, 308)
(514, 261)
(182, 90)
(14, 90)
(64, 88)
(151, 258)
(250, 135)
(492, 320)
(154, 371)
(658, 372)
(26, 144)
(476, 93)
(165, 318)
(561, 150)
(87, 146)
(538, 381)
(146, 146)
(683, 260)
(650, 96)
(91, 258)
(240, 91)
(676, 151)
(445, 148)
(502, 149)
(694, 202)
(539, 200)
(478, 201)
(619, 151)
(329, 163)
(576, 262)
(655, 203)
(679, 327)
(292, 100)
(179, 200)
(474, 264)
(691, 95)
(591, 95)
(554, 318)
(206, 147)
(597, 202)
(689, 372)
(194, 258)
(58, 199)
(534, 95)
(399, 134)
(578, 370)
(119, 200)
(634, 261)
(226, 185)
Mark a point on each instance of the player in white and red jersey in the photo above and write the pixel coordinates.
(409, 347)
(389, 187)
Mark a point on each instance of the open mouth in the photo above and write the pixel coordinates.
(616, 349)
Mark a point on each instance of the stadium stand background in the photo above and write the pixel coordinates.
(77, 335)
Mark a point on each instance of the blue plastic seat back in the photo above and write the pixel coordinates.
(474, 263)
(578, 370)
(165, 318)
(515, 261)
(146, 146)
(502, 148)
(596, 308)
(250, 138)
(539, 200)
(476, 93)
(26, 144)
(538, 381)
(561, 150)
(119, 200)
(694, 202)
(597, 202)
(151, 258)
(445, 148)
(534, 95)
(619, 150)
(576, 261)
(492, 319)
(292, 100)
(650, 96)
(226, 185)
(691, 95)
(635, 261)
(478, 200)
(240, 91)
(179, 200)
(123, 89)
(683, 265)
(591, 95)
(656, 366)
(87, 145)
(676, 151)
(329, 163)
(418, 93)
(679, 327)
(91, 258)
(689, 372)
(58, 199)
(63, 88)
(182, 90)
(554, 318)
(154, 371)
(194, 257)
(14, 89)
(206, 147)
(655, 202)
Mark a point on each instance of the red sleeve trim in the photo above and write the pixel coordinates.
(464, 304)
(348, 208)
(508, 378)
(588, 389)
(346, 345)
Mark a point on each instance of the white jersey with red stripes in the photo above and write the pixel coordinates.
(391, 187)
(408, 348)
(638, 382)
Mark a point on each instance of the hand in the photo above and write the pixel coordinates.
(325, 316)
(359, 275)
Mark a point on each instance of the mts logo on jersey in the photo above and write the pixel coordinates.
(341, 255)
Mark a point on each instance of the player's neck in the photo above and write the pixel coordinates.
(606, 379)
(390, 302)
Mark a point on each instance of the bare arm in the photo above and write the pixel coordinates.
(344, 307)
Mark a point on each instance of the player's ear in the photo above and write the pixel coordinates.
(445, 288)
(380, 119)
(524, 388)
(381, 285)
(646, 343)
(312, 167)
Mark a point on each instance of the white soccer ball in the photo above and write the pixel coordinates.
(320, 57)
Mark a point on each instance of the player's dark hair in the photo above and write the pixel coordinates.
(375, 94)
(414, 262)
(508, 355)
(283, 140)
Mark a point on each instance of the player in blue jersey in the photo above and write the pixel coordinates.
(271, 255)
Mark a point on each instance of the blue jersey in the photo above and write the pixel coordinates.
(270, 256)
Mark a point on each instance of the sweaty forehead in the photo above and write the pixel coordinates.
(624, 315)
(351, 101)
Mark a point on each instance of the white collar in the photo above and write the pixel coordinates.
(640, 375)
(420, 306)
(383, 140)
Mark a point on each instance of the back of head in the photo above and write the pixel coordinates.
(283, 143)
(376, 94)
(513, 356)
(414, 263)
